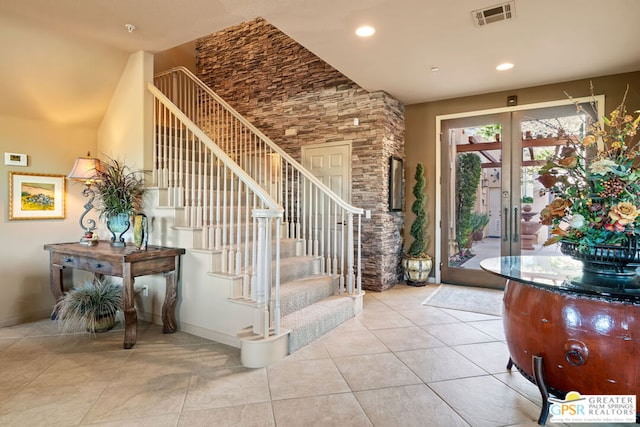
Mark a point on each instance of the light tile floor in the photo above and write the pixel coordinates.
(399, 363)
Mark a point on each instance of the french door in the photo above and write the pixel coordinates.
(491, 198)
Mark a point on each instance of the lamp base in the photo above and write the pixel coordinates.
(89, 239)
(88, 242)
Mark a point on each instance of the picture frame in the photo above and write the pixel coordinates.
(396, 188)
(36, 196)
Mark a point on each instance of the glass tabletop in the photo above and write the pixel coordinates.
(559, 273)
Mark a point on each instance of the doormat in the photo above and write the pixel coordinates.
(467, 298)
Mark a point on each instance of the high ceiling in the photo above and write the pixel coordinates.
(548, 40)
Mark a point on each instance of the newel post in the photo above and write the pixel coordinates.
(267, 285)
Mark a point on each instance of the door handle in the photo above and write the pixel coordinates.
(516, 222)
(505, 218)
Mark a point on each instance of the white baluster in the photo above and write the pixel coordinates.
(260, 282)
(231, 230)
(238, 259)
(218, 228)
(359, 281)
(276, 309)
(350, 275)
(335, 240)
(342, 272)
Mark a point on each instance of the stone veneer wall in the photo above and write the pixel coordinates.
(277, 84)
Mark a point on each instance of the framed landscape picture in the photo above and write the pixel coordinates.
(36, 196)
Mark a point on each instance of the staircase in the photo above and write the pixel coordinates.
(273, 255)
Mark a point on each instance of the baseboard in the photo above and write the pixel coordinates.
(31, 317)
(209, 334)
(198, 331)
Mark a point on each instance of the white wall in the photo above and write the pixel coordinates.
(125, 131)
(55, 77)
(55, 89)
(24, 264)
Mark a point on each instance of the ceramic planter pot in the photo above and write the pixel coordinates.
(118, 225)
(416, 270)
(103, 323)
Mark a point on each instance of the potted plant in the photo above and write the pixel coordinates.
(416, 263)
(478, 222)
(91, 307)
(120, 194)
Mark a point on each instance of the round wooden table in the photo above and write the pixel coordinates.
(565, 335)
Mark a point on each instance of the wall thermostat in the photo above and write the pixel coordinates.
(15, 159)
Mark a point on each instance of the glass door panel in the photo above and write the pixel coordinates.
(472, 227)
(544, 132)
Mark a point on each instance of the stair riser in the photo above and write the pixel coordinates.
(317, 320)
(287, 249)
(291, 272)
(232, 231)
(227, 198)
(298, 295)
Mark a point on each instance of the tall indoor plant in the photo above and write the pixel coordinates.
(417, 263)
(120, 192)
(468, 173)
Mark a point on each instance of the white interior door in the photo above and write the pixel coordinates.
(331, 164)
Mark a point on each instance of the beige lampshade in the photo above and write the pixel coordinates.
(84, 169)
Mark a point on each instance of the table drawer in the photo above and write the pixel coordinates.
(91, 264)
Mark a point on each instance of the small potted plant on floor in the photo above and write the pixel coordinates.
(416, 263)
(478, 222)
(90, 308)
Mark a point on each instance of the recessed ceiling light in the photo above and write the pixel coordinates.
(365, 31)
(435, 69)
(504, 66)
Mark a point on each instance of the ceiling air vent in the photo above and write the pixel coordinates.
(499, 12)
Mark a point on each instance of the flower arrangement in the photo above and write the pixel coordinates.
(596, 184)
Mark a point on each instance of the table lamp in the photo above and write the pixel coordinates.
(84, 170)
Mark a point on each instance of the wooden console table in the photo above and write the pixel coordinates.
(126, 262)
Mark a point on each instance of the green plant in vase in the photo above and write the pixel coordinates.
(120, 193)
